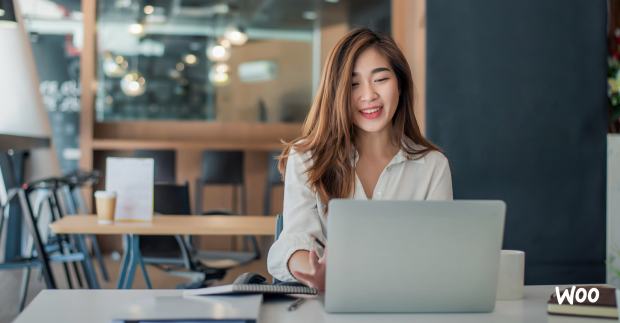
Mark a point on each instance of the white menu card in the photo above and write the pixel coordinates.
(132, 179)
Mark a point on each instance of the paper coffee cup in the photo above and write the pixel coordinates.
(105, 202)
(510, 278)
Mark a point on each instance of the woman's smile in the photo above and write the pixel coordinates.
(372, 112)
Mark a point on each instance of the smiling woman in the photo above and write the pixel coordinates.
(361, 140)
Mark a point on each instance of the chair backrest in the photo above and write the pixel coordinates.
(222, 167)
(172, 199)
(279, 226)
(165, 164)
(273, 179)
(273, 174)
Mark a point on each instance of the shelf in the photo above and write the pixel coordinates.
(128, 144)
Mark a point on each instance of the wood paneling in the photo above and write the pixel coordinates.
(198, 130)
(286, 97)
(409, 32)
(87, 79)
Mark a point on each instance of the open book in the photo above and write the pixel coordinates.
(251, 289)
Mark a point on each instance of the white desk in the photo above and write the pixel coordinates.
(103, 305)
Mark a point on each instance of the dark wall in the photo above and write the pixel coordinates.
(516, 96)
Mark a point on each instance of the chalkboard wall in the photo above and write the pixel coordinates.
(516, 96)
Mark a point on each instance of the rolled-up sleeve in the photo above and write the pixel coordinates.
(301, 218)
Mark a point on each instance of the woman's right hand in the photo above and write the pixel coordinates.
(308, 268)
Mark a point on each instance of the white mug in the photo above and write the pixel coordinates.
(510, 278)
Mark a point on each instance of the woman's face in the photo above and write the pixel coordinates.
(374, 92)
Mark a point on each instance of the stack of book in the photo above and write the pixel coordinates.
(605, 305)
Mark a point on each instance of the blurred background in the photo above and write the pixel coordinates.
(523, 97)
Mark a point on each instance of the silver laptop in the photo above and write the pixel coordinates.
(413, 256)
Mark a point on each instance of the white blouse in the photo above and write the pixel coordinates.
(427, 178)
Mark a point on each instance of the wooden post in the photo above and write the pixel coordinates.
(409, 32)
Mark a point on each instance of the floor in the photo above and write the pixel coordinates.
(10, 282)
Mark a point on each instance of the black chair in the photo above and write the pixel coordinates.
(224, 168)
(16, 205)
(274, 179)
(168, 199)
(45, 247)
(173, 254)
(34, 259)
(51, 197)
(165, 164)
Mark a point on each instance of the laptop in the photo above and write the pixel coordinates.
(413, 256)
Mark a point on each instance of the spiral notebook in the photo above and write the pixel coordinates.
(234, 289)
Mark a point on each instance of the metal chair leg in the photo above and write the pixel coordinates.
(32, 226)
(75, 204)
(138, 256)
(99, 257)
(23, 291)
(76, 270)
(124, 262)
(56, 213)
(87, 265)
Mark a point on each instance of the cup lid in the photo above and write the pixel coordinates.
(105, 194)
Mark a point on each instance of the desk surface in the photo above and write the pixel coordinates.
(103, 305)
(170, 225)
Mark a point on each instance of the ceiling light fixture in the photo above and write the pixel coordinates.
(114, 66)
(136, 29)
(218, 53)
(190, 59)
(221, 68)
(236, 35)
(133, 84)
(148, 9)
(217, 78)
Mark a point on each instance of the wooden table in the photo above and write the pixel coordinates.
(171, 225)
(162, 225)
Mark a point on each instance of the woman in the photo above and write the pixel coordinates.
(360, 140)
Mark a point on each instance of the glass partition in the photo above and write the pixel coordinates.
(203, 60)
(250, 61)
(55, 29)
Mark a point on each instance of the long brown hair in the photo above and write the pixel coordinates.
(328, 132)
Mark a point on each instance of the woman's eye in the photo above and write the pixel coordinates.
(381, 80)
(355, 84)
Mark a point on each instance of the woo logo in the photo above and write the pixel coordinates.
(577, 294)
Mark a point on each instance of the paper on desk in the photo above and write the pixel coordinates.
(132, 180)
